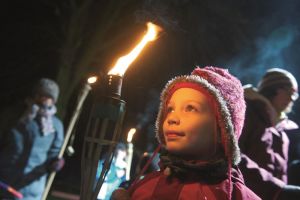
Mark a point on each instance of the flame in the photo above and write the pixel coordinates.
(124, 61)
(92, 79)
(130, 134)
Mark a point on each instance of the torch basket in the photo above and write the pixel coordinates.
(102, 134)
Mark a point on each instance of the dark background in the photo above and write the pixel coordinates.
(68, 40)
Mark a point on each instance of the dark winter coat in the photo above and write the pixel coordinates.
(159, 186)
(264, 146)
(25, 157)
(191, 179)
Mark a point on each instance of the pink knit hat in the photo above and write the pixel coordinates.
(227, 93)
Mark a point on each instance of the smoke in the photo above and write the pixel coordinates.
(146, 121)
(163, 13)
(268, 51)
(151, 107)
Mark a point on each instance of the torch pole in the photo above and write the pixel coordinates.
(82, 96)
(129, 161)
(129, 152)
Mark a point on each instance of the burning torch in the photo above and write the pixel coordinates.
(81, 97)
(105, 121)
(130, 152)
(11, 190)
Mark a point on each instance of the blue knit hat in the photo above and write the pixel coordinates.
(47, 87)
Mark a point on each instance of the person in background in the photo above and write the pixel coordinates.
(294, 157)
(116, 174)
(29, 150)
(198, 125)
(263, 142)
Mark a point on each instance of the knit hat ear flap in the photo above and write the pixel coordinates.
(227, 91)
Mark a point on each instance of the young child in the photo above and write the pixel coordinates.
(199, 122)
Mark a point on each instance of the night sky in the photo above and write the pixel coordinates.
(69, 40)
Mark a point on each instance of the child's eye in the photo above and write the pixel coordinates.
(191, 108)
(169, 109)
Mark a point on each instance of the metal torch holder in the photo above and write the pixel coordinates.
(102, 135)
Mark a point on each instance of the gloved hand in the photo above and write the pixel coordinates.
(56, 164)
(289, 192)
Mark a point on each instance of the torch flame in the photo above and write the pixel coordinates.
(92, 79)
(124, 61)
(130, 134)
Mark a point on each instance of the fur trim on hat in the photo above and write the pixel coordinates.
(230, 116)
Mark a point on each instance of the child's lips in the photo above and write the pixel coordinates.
(174, 134)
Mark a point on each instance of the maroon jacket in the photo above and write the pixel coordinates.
(264, 148)
(158, 186)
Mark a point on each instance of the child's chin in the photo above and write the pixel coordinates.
(174, 149)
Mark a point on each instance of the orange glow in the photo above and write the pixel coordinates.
(92, 79)
(130, 134)
(124, 61)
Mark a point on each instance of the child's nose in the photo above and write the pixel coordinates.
(173, 119)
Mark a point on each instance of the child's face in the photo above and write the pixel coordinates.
(44, 100)
(189, 125)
